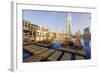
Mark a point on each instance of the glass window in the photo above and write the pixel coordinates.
(26, 34)
(25, 25)
(34, 33)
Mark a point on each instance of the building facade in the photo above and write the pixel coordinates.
(33, 33)
(26, 31)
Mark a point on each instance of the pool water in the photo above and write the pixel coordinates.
(56, 44)
(87, 48)
(26, 54)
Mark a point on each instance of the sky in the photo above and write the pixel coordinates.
(57, 21)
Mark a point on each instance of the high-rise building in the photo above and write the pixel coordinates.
(87, 33)
(69, 25)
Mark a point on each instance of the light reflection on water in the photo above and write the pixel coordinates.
(87, 47)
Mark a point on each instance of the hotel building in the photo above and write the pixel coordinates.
(33, 33)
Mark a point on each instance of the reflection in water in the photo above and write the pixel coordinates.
(56, 45)
(87, 47)
(26, 54)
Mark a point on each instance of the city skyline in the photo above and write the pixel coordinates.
(56, 21)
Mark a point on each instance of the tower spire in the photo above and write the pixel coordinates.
(69, 25)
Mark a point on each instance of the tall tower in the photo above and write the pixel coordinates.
(69, 25)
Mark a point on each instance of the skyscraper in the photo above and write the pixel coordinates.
(69, 25)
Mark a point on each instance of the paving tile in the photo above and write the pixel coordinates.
(36, 49)
(66, 56)
(77, 57)
(46, 53)
(55, 56)
(33, 58)
(40, 51)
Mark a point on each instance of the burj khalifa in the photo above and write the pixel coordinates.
(69, 25)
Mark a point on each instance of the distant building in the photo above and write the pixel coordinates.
(87, 33)
(69, 25)
(61, 36)
(78, 33)
(42, 34)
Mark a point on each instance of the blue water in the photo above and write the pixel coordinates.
(87, 48)
(56, 45)
(26, 54)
